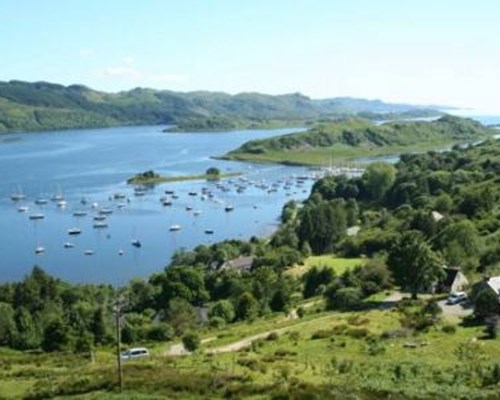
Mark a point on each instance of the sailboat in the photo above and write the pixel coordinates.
(18, 195)
(39, 250)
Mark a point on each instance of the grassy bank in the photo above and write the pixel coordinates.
(158, 179)
(336, 153)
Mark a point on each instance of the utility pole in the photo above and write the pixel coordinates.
(119, 308)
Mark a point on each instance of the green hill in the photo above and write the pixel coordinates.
(358, 137)
(26, 106)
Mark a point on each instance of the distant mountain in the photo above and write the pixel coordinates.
(26, 106)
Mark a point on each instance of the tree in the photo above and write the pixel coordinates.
(486, 304)
(191, 341)
(55, 336)
(379, 178)
(247, 307)
(223, 309)
(345, 299)
(28, 334)
(181, 315)
(98, 326)
(213, 172)
(7, 325)
(414, 265)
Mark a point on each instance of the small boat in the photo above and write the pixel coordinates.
(100, 218)
(18, 195)
(22, 209)
(209, 231)
(89, 252)
(39, 250)
(118, 196)
(69, 245)
(169, 192)
(100, 224)
(166, 203)
(79, 214)
(189, 208)
(37, 216)
(83, 201)
(121, 205)
(41, 201)
(105, 211)
(95, 205)
(175, 228)
(196, 212)
(193, 194)
(120, 252)
(228, 208)
(136, 243)
(74, 231)
(61, 203)
(174, 196)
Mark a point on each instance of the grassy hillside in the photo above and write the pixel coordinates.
(358, 137)
(40, 106)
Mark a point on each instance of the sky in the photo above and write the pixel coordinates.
(423, 52)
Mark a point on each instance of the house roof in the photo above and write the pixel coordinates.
(494, 283)
(451, 275)
(242, 263)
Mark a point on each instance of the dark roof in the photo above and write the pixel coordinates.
(451, 274)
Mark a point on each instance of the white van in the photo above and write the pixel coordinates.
(136, 352)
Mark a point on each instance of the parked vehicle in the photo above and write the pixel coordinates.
(136, 352)
(456, 298)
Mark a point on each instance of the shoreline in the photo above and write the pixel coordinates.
(181, 178)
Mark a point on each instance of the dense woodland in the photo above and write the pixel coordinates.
(36, 106)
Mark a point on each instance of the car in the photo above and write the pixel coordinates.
(137, 352)
(456, 298)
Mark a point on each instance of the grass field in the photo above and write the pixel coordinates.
(331, 261)
(356, 355)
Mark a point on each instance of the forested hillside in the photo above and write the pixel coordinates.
(359, 137)
(28, 106)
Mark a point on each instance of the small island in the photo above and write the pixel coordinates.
(152, 178)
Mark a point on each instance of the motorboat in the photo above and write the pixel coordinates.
(100, 218)
(209, 231)
(39, 250)
(100, 224)
(37, 216)
(120, 252)
(79, 214)
(105, 211)
(69, 245)
(74, 231)
(175, 228)
(22, 209)
(41, 201)
(89, 252)
(228, 208)
(136, 243)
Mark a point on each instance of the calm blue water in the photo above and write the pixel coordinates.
(95, 164)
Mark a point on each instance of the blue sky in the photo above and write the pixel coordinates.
(440, 51)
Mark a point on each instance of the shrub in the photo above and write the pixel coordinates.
(344, 299)
(191, 341)
(284, 353)
(301, 311)
(160, 332)
(357, 333)
(217, 322)
(491, 329)
(356, 320)
(273, 336)
(294, 335)
(396, 333)
(449, 328)
(223, 309)
(322, 334)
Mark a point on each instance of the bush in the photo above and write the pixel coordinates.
(301, 312)
(357, 333)
(449, 328)
(191, 341)
(344, 299)
(161, 332)
(223, 309)
(273, 336)
(322, 334)
(217, 322)
(491, 329)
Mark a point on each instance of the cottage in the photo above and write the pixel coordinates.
(453, 281)
(487, 283)
(242, 264)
